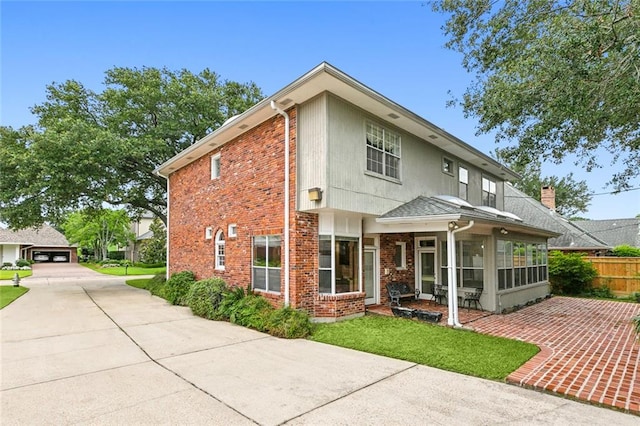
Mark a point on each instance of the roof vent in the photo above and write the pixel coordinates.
(433, 137)
(285, 102)
(393, 115)
(243, 126)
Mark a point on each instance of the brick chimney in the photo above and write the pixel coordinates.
(548, 197)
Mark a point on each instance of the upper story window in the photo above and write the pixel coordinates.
(383, 151)
(463, 185)
(215, 166)
(447, 165)
(220, 250)
(488, 192)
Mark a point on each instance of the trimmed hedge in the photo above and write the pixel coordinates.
(178, 286)
(205, 296)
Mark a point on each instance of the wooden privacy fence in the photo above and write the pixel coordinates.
(620, 274)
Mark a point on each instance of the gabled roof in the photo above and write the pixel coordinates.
(45, 236)
(532, 211)
(615, 232)
(326, 78)
(439, 208)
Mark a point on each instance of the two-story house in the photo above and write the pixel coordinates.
(321, 194)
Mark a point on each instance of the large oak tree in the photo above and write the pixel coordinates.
(556, 79)
(92, 148)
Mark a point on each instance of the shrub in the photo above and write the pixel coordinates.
(157, 285)
(625, 251)
(7, 264)
(636, 322)
(251, 311)
(289, 323)
(603, 292)
(177, 287)
(205, 296)
(22, 262)
(246, 308)
(570, 273)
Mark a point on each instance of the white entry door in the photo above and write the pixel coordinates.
(370, 277)
(426, 270)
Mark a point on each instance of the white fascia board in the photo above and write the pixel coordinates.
(417, 219)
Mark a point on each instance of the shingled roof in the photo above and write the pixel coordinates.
(572, 236)
(45, 236)
(615, 232)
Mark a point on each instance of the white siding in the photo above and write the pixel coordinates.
(312, 152)
(352, 188)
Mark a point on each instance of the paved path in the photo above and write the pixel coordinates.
(588, 349)
(95, 351)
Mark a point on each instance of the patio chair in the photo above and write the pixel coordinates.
(472, 296)
(438, 294)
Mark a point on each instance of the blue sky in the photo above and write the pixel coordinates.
(396, 48)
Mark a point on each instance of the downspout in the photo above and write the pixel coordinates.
(167, 230)
(286, 200)
(453, 277)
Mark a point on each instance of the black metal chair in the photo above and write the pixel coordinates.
(438, 294)
(472, 296)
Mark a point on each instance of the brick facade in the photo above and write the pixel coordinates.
(250, 194)
(387, 261)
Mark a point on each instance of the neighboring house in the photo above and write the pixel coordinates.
(616, 232)
(141, 232)
(322, 205)
(43, 244)
(573, 237)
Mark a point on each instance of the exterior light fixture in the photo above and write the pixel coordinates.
(315, 194)
(503, 231)
(453, 225)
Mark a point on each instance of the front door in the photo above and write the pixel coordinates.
(370, 277)
(427, 270)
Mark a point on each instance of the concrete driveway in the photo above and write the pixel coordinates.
(95, 351)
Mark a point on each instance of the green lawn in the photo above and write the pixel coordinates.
(131, 270)
(460, 351)
(9, 293)
(8, 275)
(139, 283)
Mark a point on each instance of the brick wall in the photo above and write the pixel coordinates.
(250, 194)
(387, 261)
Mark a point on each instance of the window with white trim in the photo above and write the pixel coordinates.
(339, 264)
(463, 183)
(215, 166)
(219, 248)
(233, 230)
(488, 192)
(447, 166)
(383, 151)
(208, 233)
(400, 257)
(521, 263)
(469, 263)
(266, 265)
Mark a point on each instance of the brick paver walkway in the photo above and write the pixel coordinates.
(589, 350)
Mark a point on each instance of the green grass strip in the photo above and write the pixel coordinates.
(449, 349)
(9, 293)
(120, 270)
(8, 275)
(139, 283)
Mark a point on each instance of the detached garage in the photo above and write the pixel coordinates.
(43, 244)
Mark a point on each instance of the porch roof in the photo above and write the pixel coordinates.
(436, 208)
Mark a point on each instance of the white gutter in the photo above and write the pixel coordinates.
(286, 201)
(167, 230)
(452, 300)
